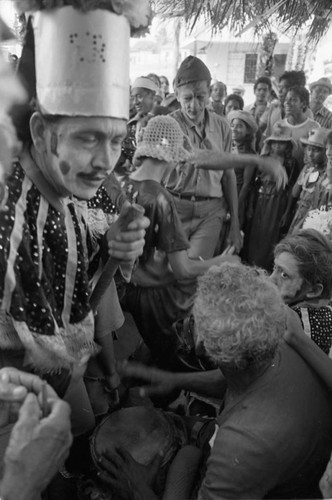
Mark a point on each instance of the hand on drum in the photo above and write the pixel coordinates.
(158, 381)
(127, 478)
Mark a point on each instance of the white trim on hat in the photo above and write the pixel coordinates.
(82, 62)
(142, 82)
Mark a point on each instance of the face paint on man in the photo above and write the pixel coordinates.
(87, 151)
(64, 167)
(54, 143)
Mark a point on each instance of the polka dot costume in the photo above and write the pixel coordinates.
(317, 324)
(44, 285)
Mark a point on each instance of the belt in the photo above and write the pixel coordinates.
(191, 197)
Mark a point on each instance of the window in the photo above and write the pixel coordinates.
(250, 68)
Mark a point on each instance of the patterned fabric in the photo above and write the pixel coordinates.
(44, 285)
(317, 324)
(135, 129)
(101, 213)
(324, 117)
(314, 194)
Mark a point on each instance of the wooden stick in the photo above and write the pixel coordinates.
(126, 216)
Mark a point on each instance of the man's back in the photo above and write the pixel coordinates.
(275, 440)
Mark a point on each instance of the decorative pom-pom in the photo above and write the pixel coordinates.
(138, 12)
(321, 220)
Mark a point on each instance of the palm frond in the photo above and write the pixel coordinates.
(290, 14)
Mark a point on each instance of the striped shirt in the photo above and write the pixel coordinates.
(324, 117)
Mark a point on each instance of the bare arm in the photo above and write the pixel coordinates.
(185, 268)
(307, 348)
(211, 383)
(211, 160)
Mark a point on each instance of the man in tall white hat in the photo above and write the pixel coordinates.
(47, 325)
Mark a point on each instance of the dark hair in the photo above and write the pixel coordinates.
(313, 252)
(155, 78)
(294, 78)
(234, 97)
(21, 115)
(288, 150)
(329, 138)
(165, 78)
(302, 93)
(263, 79)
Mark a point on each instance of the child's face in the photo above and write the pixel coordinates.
(279, 147)
(315, 155)
(239, 130)
(286, 275)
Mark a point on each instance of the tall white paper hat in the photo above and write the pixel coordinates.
(82, 62)
(76, 55)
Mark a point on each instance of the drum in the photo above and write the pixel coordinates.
(143, 432)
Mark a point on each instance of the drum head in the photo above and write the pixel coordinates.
(142, 431)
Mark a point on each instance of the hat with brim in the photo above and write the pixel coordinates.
(246, 117)
(324, 82)
(281, 133)
(238, 90)
(163, 139)
(316, 137)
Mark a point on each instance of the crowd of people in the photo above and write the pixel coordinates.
(207, 222)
